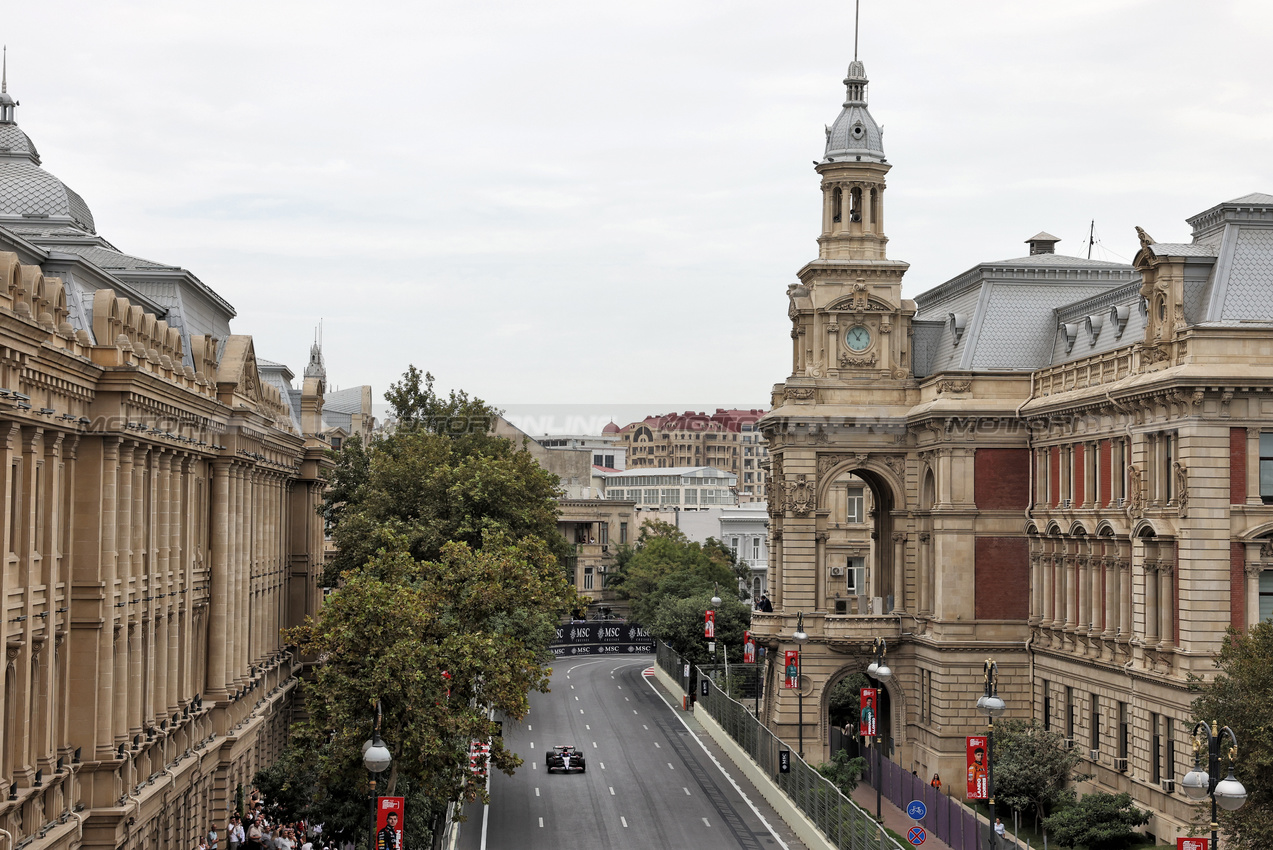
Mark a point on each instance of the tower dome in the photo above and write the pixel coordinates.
(27, 191)
(855, 137)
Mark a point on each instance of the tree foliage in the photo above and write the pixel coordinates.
(844, 770)
(440, 477)
(844, 701)
(1098, 821)
(1241, 697)
(669, 582)
(436, 643)
(1033, 767)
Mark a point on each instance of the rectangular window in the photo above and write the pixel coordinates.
(1096, 722)
(854, 572)
(650, 497)
(623, 532)
(603, 533)
(670, 496)
(1069, 712)
(1169, 734)
(1155, 750)
(1266, 595)
(853, 512)
(1047, 705)
(609, 464)
(733, 545)
(1124, 730)
(597, 460)
(755, 548)
(691, 497)
(587, 578)
(1266, 467)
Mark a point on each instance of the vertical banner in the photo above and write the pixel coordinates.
(978, 774)
(389, 817)
(868, 701)
(749, 648)
(792, 663)
(709, 624)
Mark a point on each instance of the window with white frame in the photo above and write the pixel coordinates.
(670, 496)
(855, 575)
(755, 548)
(854, 504)
(691, 496)
(1266, 595)
(1266, 467)
(587, 578)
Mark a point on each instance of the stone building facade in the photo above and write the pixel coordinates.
(158, 525)
(726, 439)
(1071, 472)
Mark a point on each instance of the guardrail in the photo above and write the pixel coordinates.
(844, 823)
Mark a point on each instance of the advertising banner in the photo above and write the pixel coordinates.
(709, 624)
(978, 773)
(868, 700)
(605, 637)
(791, 662)
(1193, 843)
(749, 648)
(390, 813)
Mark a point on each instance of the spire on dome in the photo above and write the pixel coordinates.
(315, 368)
(6, 102)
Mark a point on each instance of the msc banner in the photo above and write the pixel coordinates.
(867, 699)
(606, 637)
(978, 777)
(389, 817)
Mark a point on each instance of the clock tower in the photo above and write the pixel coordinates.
(847, 311)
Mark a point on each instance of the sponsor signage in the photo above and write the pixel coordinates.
(703, 684)
(784, 761)
(749, 648)
(791, 663)
(709, 624)
(601, 638)
(390, 814)
(1193, 844)
(869, 700)
(602, 649)
(978, 772)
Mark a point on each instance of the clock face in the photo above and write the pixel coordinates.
(857, 338)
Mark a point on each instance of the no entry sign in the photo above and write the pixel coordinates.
(916, 836)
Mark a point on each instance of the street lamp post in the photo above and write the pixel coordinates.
(1198, 784)
(715, 653)
(992, 706)
(376, 758)
(878, 670)
(800, 637)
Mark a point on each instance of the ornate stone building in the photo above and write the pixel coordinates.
(158, 528)
(1071, 472)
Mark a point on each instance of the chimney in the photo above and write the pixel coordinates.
(1042, 243)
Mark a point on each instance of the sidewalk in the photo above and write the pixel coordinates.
(894, 818)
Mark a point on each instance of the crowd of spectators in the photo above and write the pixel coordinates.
(256, 830)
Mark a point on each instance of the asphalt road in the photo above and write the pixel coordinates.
(649, 784)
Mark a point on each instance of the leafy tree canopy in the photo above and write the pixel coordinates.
(1033, 767)
(1098, 821)
(1240, 697)
(844, 771)
(436, 643)
(440, 477)
(844, 702)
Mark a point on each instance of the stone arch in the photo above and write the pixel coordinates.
(1105, 529)
(10, 275)
(928, 489)
(106, 321)
(1079, 529)
(888, 496)
(1054, 530)
(892, 688)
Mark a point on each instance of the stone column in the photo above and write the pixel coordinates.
(218, 638)
(1166, 604)
(166, 515)
(924, 573)
(899, 571)
(1125, 596)
(1082, 573)
(1151, 602)
(1068, 583)
(1048, 590)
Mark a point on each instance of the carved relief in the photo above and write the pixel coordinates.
(860, 362)
(799, 497)
(954, 386)
(1136, 491)
(1182, 487)
(803, 393)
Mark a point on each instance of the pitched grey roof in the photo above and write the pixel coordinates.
(1181, 249)
(107, 258)
(1057, 260)
(1256, 198)
(1043, 236)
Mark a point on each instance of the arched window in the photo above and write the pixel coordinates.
(837, 200)
(855, 213)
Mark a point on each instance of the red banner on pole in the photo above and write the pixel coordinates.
(791, 661)
(1193, 843)
(869, 701)
(390, 812)
(709, 625)
(749, 648)
(978, 772)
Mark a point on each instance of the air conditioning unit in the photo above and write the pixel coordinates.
(1096, 755)
(1121, 501)
(1065, 503)
(1169, 786)
(837, 571)
(1120, 765)
(1070, 743)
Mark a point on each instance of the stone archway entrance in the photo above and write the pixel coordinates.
(856, 539)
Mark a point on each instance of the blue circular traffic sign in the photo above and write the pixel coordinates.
(916, 836)
(916, 809)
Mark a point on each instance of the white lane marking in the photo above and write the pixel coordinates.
(707, 823)
(534, 766)
(536, 792)
(532, 745)
(611, 790)
(603, 765)
(656, 746)
(686, 790)
(581, 711)
(669, 766)
(572, 687)
(621, 687)
(586, 726)
(625, 699)
(594, 745)
(529, 728)
(576, 699)
(725, 773)
(646, 728)
(634, 711)
(624, 821)
(541, 823)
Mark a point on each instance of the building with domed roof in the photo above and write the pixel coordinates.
(1070, 471)
(158, 494)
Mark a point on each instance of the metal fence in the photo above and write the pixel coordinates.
(948, 819)
(843, 822)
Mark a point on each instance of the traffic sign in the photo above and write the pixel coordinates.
(916, 836)
(916, 809)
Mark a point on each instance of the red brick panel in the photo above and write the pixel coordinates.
(1003, 578)
(1080, 474)
(1103, 478)
(1237, 583)
(1001, 479)
(1056, 475)
(1237, 466)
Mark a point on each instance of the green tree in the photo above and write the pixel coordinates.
(1098, 821)
(1033, 767)
(439, 477)
(845, 701)
(436, 643)
(843, 770)
(1241, 697)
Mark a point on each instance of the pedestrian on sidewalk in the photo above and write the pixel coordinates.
(1000, 832)
(936, 783)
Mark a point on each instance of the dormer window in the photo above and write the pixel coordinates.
(1118, 314)
(958, 321)
(1071, 332)
(1093, 324)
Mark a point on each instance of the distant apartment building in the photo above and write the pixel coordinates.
(727, 440)
(604, 449)
(673, 488)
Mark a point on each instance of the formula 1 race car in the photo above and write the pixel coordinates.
(566, 758)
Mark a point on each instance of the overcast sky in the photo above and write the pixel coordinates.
(577, 202)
